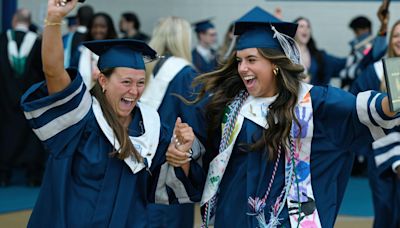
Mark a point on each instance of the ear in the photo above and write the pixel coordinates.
(102, 80)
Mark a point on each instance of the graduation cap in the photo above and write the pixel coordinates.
(202, 26)
(71, 21)
(260, 29)
(255, 29)
(121, 53)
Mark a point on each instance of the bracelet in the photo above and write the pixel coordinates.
(49, 23)
(382, 33)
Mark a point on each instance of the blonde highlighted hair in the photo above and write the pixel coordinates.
(171, 36)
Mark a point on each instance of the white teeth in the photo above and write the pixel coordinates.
(129, 99)
(247, 78)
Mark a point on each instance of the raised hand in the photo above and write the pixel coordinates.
(58, 9)
(383, 16)
(178, 153)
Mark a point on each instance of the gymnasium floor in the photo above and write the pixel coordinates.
(16, 203)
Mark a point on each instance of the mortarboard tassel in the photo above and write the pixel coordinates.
(288, 45)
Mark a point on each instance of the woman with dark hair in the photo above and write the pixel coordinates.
(274, 143)
(106, 148)
(319, 65)
(100, 27)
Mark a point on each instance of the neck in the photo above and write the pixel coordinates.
(21, 27)
(131, 32)
(125, 121)
(204, 45)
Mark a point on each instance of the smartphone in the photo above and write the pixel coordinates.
(386, 9)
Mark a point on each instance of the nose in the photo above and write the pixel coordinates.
(242, 67)
(133, 90)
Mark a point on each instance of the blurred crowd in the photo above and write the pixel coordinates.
(21, 67)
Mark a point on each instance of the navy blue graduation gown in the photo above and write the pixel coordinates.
(332, 67)
(387, 212)
(201, 64)
(83, 186)
(337, 130)
(171, 107)
(385, 188)
(18, 145)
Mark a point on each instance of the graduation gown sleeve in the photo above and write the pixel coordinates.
(63, 112)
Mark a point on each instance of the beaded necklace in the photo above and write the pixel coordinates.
(232, 114)
(257, 204)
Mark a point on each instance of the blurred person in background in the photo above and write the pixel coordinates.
(73, 39)
(203, 55)
(129, 25)
(20, 67)
(319, 65)
(226, 48)
(366, 47)
(100, 27)
(168, 78)
(384, 167)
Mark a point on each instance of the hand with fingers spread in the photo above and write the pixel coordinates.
(178, 154)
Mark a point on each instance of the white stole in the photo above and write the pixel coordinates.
(25, 48)
(145, 144)
(87, 65)
(157, 86)
(378, 66)
(254, 110)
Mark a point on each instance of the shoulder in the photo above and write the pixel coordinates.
(332, 98)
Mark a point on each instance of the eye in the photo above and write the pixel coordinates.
(140, 83)
(251, 60)
(126, 82)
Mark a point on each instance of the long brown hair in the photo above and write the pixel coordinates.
(225, 83)
(111, 117)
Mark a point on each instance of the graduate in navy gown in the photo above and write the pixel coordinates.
(382, 177)
(320, 65)
(387, 160)
(105, 146)
(168, 77)
(204, 56)
(277, 150)
(366, 47)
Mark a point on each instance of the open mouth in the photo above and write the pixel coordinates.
(249, 80)
(127, 102)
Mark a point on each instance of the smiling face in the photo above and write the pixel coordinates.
(99, 29)
(303, 33)
(256, 73)
(395, 40)
(123, 89)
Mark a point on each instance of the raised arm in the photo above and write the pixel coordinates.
(56, 76)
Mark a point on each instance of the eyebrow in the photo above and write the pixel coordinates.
(246, 57)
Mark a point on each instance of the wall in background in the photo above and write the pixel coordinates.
(329, 18)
